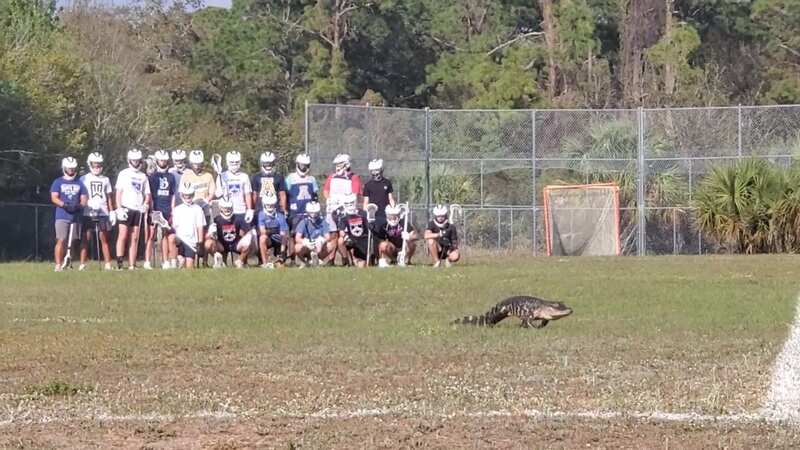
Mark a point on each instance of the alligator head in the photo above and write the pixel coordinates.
(552, 311)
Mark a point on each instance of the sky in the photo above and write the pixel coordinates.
(222, 3)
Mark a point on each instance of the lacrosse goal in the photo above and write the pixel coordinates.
(582, 219)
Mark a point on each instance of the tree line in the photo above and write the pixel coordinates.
(165, 74)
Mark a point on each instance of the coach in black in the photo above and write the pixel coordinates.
(378, 190)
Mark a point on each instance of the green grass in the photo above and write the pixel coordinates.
(668, 333)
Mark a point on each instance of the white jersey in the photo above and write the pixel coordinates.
(177, 175)
(99, 188)
(186, 219)
(235, 186)
(134, 186)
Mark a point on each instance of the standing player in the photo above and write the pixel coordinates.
(96, 211)
(273, 231)
(391, 234)
(312, 238)
(69, 195)
(378, 190)
(226, 235)
(354, 232)
(133, 199)
(269, 181)
(201, 180)
(235, 185)
(442, 238)
(301, 188)
(188, 221)
(162, 188)
(177, 169)
(338, 185)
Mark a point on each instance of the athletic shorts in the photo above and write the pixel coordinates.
(239, 218)
(62, 230)
(184, 249)
(275, 240)
(134, 217)
(445, 251)
(332, 227)
(103, 224)
(293, 222)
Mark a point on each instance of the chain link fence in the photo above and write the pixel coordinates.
(496, 163)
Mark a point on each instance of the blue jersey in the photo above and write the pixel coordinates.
(312, 229)
(163, 188)
(301, 190)
(275, 223)
(69, 192)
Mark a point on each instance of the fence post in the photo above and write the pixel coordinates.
(533, 177)
(739, 128)
(481, 181)
(640, 187)
(305, 127)
(428, 164)
(35, 233)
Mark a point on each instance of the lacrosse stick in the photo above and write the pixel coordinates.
(216, 164)
(94, 216)
(406, 215)
(68, 257)
(372, 208)
(158, 220)
(456, 213)
(150, 165)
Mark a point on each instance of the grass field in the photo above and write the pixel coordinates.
(340, 358)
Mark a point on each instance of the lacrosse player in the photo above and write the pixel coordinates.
(392, 231)
(442, 238)
(188, 221)
(162, 188)
(354, 232)
(339, 184)
(378, 190)
(226, 235)
(96, 211)
(201, 180)
(269, 181)
(273, 231)
(301, 188)
(177, 169)
(132, 200)
(69, 195)
(312, 237)
(235, 185)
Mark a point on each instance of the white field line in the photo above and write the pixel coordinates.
(783, 398)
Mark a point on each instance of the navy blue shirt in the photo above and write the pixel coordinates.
(163, 188)
(69, 192)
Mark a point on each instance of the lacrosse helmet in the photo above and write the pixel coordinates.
(225, 208)
(349, 203)
(269, 201)
(341, 163)
(312, 210)
(376, 169)
(95, 163)
(179, 159)
(440, 215)
(162, 160)
(267, 162)
(393, 215)
(187, 193)
(135, 158)
(69, 166)
(302, 164)
(196, 160)
(234, 161)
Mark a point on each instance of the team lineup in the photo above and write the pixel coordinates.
(196, 218)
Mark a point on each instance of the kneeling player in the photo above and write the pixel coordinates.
(391, 234)
(354, 231)
(442, 238)
(311, 239)
(273, 231)
(228, 234)
(188, 221)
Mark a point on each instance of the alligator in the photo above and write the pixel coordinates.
(533, 311)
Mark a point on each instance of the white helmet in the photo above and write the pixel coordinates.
(234, 161)
(376, 169)
(312, 209)
(341, 163)
(162, 156)
(196, 159)
(187, 192)
(303, 164)
(267, 162)
(69, 164)
(179, 159)
(225, 208)
(393, 215)
(349, 203)
(135, 158)
(440, 215)
(95, 163)
(269, 202)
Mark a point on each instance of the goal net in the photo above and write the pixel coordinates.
(582, 219)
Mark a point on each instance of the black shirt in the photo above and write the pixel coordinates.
(263, 183)
(449, 234)
(378, 192)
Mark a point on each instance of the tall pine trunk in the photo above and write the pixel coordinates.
(643, 26)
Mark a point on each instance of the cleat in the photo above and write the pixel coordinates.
(107, 267)
(82, 267)
(383, 262)
(147, 266)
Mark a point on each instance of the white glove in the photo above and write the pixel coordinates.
(320, 241)
(212, 229)
(307, 243)
(121, 214)
(248, 216)
(406, 235)
(112, 218)
(145, 208)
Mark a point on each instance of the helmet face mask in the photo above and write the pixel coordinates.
(234, 161)
(267, 162)
(187, 194)
(376, 169)
(196, 160)
(349, 204)
(341, 163)
(95, 162)
(226, 209)
(269, 202)
(162, 160)
(440, 216)
(179, 159)
(312, 211)
(302, 164)
(135, 159)
(392, 215)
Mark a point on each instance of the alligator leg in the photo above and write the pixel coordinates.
(541, 324)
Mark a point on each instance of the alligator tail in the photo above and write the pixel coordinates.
(493, 316)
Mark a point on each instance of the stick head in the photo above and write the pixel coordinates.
(372, 208)
(456, 213)
(216, 163)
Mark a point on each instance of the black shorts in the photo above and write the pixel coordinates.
(184, 249)
(445, 251)
(133, 219)
(293, 221)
